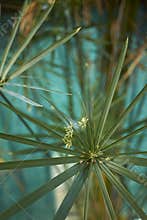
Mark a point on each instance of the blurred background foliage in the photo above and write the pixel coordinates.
(87, 61)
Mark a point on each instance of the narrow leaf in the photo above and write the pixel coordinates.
(59, 113)
(37, 88)
(27, 151)
(123, 191)
(27, 40)
(21, 97)
(115, 144)
(33, 120)
(110, 132)
(132, 126)
(11, 40)
(40, 192)
(127, 173)
(105, 194)
(88, 184)
(138, 161)
(113, 86)
(37, 144)
(132, 153)
(71, 195)
(45, 52)
(37, 162)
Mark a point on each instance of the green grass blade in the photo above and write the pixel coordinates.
(40, 192)
(27, 151)
(138, 161)
(113, 86)
(132, 127)
(115, 144)
(45, 52)
(105, 194)
(34, 120)
(123, 191)
(21, 97)
(59, 113)
(37, 144)
(86, 203)
(72, 195)
(28, 39)
(34, 135)
(131, 153)
(127, 173)
(36, 88)
(19, 164)
(11, 40)
(110, 132)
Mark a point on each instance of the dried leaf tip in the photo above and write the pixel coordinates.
(78, 29)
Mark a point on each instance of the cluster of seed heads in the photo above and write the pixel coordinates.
(83, 122)
(69, 131)
(68, 135)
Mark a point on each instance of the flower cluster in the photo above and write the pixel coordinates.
(83, 122)
(68, 135)
(69, 131)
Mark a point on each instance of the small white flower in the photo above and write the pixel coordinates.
(83, 122)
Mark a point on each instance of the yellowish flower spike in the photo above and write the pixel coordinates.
(68, 135)
(83, 122)
(69, 131)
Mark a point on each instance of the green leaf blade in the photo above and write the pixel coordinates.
(88, 185)
(11, 40)
(38, 162)
(40, 192)
(34, 120)
(21, 97)
(71, 195)
(110, 132)
(105, 194)
(45, 52)
(131, 134)
(127, 173)
(113, 86)
(37, 144)
(27, 40)
(123, 191)
(138, 161)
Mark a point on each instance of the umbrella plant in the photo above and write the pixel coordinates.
(91, 146)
